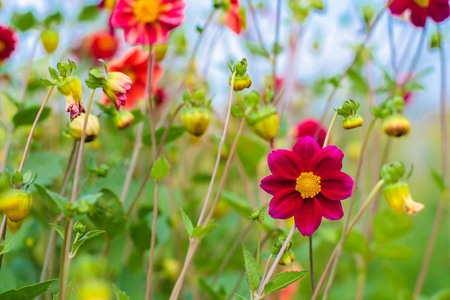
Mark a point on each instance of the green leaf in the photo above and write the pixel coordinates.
(395, 252)
(240, 297)
(160, 168)
(6, 246)
(200, 231)
(17, 178)
(54, 201)
(210, 290)
(59, 229)
(283, 280)
(53, 74)
(90, 235)
(141, 234)
(238, 203)
(254, 48)
(389, 226)
(24, 21)
(53, 20)
(28, 292)
(174, 133)
(187, 223)
(251, 269)
(108, 213)
(438, 180)
(27, 115)
(88, 13)
(119, 294)
(186, 96)
(236, 111)
(46, 82)
(277, 48)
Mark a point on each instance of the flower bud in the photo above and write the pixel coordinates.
(353, 121)
(14, 226)
(92, 128)
(241, 82)
(16, 204)
(116, 87)
(396, 125)
(278, 244)
(123, 119)
(264, 122)
(94, 289)
(160, 51)
(71, 89)
(79, 227)
(287, 258)
(50, 39)
(398, 197)
(171, 268)
(196, 120)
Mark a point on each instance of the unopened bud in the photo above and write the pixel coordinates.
(50, 39)
(398, 197)
(287, 258)
(196, 120)
(92, 128)
(94, 289)
(396, 125)
(351, 122)
(79, 227)
(123, 119)
(16, 204)
(264, 122)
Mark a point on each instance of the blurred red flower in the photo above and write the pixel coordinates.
(8, 40)
(307, 184)
(309, 127)
(134, 64)
(147, 21)
(233, 18)
(103, 45)
(438, 10)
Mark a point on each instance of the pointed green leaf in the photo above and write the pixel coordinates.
(59, 229)
(200, 231)
(438, 180)
(240, 297)
(27, 115)
(87, 236)
(7, 245)
(282, 280)
(28, 292)
(119, 294)
(46, 82)
(251, 269)
(161, 168)
(187, 223)
(54, 201)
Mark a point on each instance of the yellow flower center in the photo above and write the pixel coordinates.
(147, 11)
(422, 3)
(308, 185)
(2, 46)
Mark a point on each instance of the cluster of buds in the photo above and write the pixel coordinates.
(76, 128)
(396, 192)
(394, 122)
(261, 117)
(351, 118)
(196, 115)
(241, 79)
(288, 256)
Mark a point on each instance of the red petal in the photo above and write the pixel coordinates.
(233, 19)
(305, 148)
(308, 216)
(326, 160)
(331, 210)
(274, 183)
(336, 185)
(285, 163)
(398, 7)
(439, 10)
(419, 15)
(283, 205)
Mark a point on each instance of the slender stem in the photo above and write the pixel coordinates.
(371, 196)
(151, 114)
(69, 168)
(327, 137)
(311, 264)
(219, 153)
(266, 269)
(266, 279)
(148, 291)
(257, 29)
(276, 47)
(6, 149)
(415, 60)
(2, 236)
(442, 203)
(36, 120)
(258, 249)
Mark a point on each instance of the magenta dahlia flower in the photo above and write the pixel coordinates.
(438, 10)
(307, 184)
(147, 21)
(8, 40)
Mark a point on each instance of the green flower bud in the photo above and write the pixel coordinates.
(50, 39)
(123, 119)
(351, 122)
(264, 122)
(79, 227)
(16, 204)
(392, 172)
(287, 258)
(92, 129)
(196, 120)
(396, 125)
(241, 82)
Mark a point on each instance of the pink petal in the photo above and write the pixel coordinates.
(308, 216)
(305, 148)
(285, 163)
(331, 210)
(283, 205)
(398, 7)
(336, 185)
(274, 183)
(326, 160)
(419, 15)
(439, 10)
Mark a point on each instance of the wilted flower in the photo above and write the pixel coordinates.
(438, 10)
(116, 87)
(71, 89)
(148, 21)
(8, 40)
(92, 128)
(307, 184)
(398, 197)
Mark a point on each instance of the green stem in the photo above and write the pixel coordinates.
(258, 249)
(311, 264)
(327, 137)
(257, 29)
(148, 291)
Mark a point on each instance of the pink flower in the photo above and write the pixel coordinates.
(438, 10)
(307, 184)
(8, 41)
(233, 18)
(309, 127)
(116, 87)
(147, 21)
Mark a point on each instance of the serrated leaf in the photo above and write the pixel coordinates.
(54, 201)
(187, 223)
(27, 115)
(251, 269)
(160, 168)
(7, 245)
(119, 294)
(283, 280)
(59, 229)
(200, 231)
(90, 235)
(28, 292)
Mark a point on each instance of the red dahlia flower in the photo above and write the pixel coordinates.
(134, 64)
(438, 10)
(103, 45)
(233, 18)
(307, 184)
(147, 21)
(7, 42)
(309, 127)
